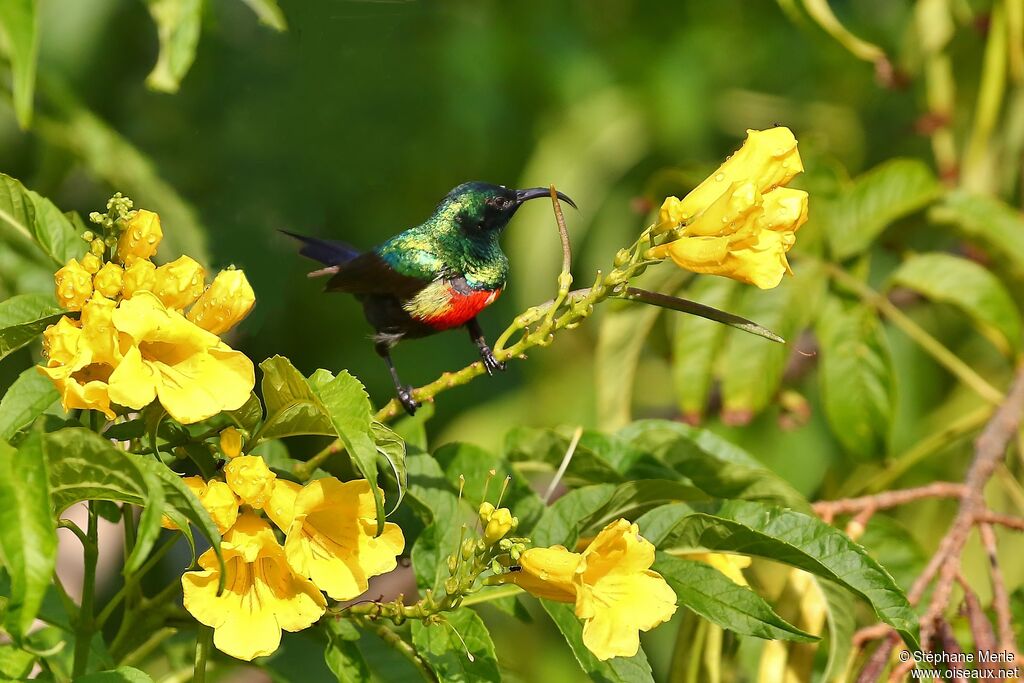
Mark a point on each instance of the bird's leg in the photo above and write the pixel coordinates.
(491, 364)
(404, 392)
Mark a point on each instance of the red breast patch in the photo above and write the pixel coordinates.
(461, 308)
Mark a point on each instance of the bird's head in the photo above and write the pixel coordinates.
(482, 209)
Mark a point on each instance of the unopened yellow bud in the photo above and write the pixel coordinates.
(141, 237)
(501, 523)
(231, 442)
(250, 479)
(220, 502)
(74, 285)
(108, 280)
(97, 246)
(60, 341)
(225, 303)
(138, 277)
(91, 262)
(179, 282)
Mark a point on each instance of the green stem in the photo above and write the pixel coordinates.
(204, 642)
(131, 582)
(927, 342)
(493, 594)
(978, 159)
(85, 624)
(403, 648)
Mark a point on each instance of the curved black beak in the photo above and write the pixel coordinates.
(538, 192)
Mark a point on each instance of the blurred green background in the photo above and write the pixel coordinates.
(355, 121)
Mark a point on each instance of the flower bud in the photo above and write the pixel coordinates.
(451, 586)
(97, 246)
(91, 262)
(179, 282)
(60, 341)
(138, 277)
(88, 235)
(221, 503)
(74, 285)
(108, 280)
(453, 564)
(501, 523)
(231, 442)
(225, 303)
(250, 479)
(141, 237)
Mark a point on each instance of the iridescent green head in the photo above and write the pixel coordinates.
(481, 209)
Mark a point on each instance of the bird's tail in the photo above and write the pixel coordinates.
(331, 253)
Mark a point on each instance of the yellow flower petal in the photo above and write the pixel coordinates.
(768, 158)
(140, 238)
(60, 341)
(140, 276)
(231, 442)
(196, 375)
(730, 565)
(281, 507)
(617, 594)
(133, 384)
(73, 285)
(108, 280)
(221, 503)
(262, 595)
(547, 573)
(98, 331)
(331, 537)
(91, 263)
(180, 282)
(225, 303)
(251, 479)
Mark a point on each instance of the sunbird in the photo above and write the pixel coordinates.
(430, 278)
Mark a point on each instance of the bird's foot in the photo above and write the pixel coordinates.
(491, 364)
(408, 402)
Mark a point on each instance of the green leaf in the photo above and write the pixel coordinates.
(793, 538)
(876, 199)
(342, 654)
(988, 222)
(36, 218)
(25, 400)
(476, 466)
(620, 341)
(696, 343)
(856, 378)
(752, 367)
(633, 669)
(970, 287)
(391, 447)
(15, 663)
(28, 536)
(249, 416)
(122, 674)
(19, 26)
(346, 404)
(560, 523)
(23, 318)
(178, 23)
(841, 625)
(269, 13)
(703, 589)
(85, 466)
(591, 461)
(429, 489)
(714, 465)
(459, 649)
(292, 407)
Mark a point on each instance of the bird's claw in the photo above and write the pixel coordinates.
(491, 364)
(408, 402)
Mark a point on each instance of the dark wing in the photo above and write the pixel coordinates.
(368, 273)
(327, 252)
